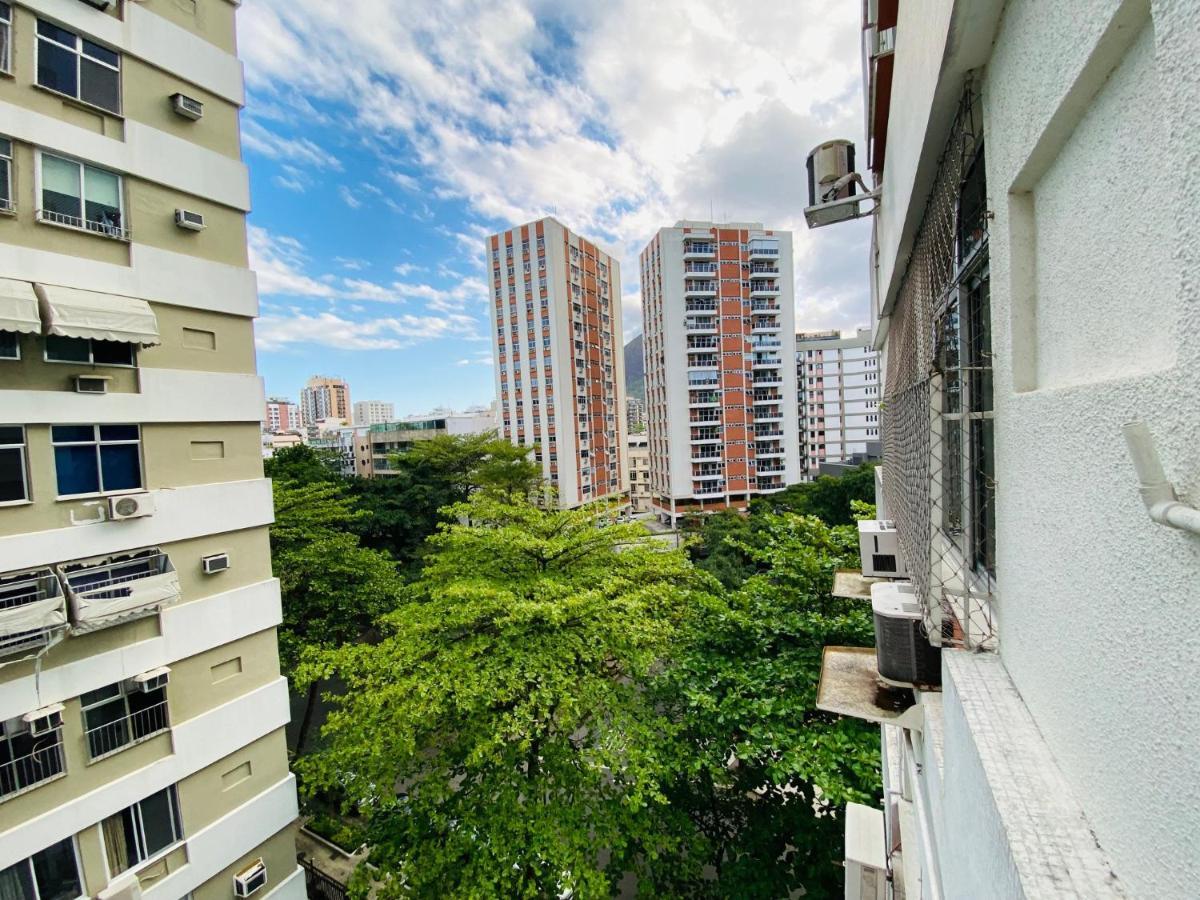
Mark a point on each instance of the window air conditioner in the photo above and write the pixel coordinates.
(218, 562)
(879, 547)
(192, 221)
(152, 680)
(91, 384)
(131, 506)
(45, 720)
(186, 106)
(903, 653)
(866, 862)
(250, 879)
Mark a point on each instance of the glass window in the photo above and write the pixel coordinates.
(14, 484)
(90, 459)
(85, 350)
(51, 874)
(5, 38)
(75, 66)
(25, 760)
(80, 195)
(116, 716)
(10, 346)
(138, 832)
(6, 188)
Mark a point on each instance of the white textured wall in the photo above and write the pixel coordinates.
(1092, 127)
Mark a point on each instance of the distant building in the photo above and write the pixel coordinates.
(282, 415)
(840, 385)
(639, 472)
(325, 398)
(280, 440)
(635, 414)
(720, 365)
(372, 412)
(367, 450)
(560, 365)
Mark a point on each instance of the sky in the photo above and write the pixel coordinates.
(387, 138)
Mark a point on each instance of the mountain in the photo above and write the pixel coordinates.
(635, 370)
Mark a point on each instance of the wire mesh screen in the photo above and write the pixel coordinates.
(937, 406)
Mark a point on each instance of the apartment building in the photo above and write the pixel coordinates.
(373, 412)
(639, 473)
(840, 386)
(635, 414)
(282, 416)
(1035, 483)
(325, 398)
(367, 451)
(560, 369)
(719, 350)
(142, 710)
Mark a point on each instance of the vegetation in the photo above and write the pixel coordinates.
(528, 702)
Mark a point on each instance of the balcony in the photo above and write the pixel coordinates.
(766, 361)
(709, 489)
(699, 269)
(702, 343)
(702, 306)
(765, 343)
(706, 454)
(767, 468)
(705, 436)
(700, 289)
(764, 289)
(768, 414)
(767, 397)
(701, 325)
(764, 250)
(698, 418)
(702, 361)
(703, 398)
(105, 591)
(707, 476)
(767, 379)
(764, 306)
(766, 433)
(693, 249)
(765, 325)
(138, 721)
(32, 608)
(764, 269)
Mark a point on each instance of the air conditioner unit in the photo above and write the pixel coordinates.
(866, 863)
(152, 680)
(45, 720)
(250, 879)
(903, 653)
(879, 547)
(124, 887)
(101, 4)
(192, 221)
(131, 506)
(218, 562)
(92, 384)
(188, 107)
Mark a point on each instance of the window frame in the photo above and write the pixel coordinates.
(55, 749)
(122, 697)
(91, 360)
(139, 829)
(98, 443)
(16, 341)
(23, 453)
(37, 889)
(8, 205)
(118, 232)
(6, 24)
(79, 53)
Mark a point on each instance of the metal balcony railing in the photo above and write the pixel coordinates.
(138, 726)
(106, 228)
(39, 760)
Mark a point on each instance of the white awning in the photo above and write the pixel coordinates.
(71, 312)
(19, 307)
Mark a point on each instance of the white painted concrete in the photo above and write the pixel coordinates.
(160, 276)
(198, 742)
(180, 513)
(187, 629)
(145, 153)
(167, 395)
(291, 888)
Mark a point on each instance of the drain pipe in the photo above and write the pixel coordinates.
(1158, 494)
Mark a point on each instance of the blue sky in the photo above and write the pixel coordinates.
(385, 139)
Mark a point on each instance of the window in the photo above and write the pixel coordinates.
(88, 351)
(92, 459)
(5, 38)
(14, 483)
(81, 196)
(138, 832)
(7, 204)
(72, 65)
(119, 715)
(25, 760)
(50, 874)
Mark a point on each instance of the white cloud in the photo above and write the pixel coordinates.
(256, 137)
(348, 197)
(330, 330)
(352, 263)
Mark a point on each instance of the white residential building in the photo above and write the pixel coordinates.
(719, 348)
(840, 386)
(372, 412)
(1030, 303)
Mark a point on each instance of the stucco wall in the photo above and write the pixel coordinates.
(1090, 126)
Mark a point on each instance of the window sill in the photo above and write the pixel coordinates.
(124, 747)
(7, 503)
(71, 498)
(79, 104)
(124, 236)
(146, 863)
(8, 209)
(85, 363)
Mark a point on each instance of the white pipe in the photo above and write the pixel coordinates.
(1162, 503)
(928, 837)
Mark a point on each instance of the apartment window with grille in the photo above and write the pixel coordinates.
(73, 65)
(14, 477)
(26, 759)
(81, 196)
(7, 201)
(96, 459)
(142, 830)
(120, 715)
(50, 874)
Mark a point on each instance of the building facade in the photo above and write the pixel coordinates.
(840, 386)
(373, 412)
(367, 451)
(720, 372)
(142, 709)
(1035, 482)
(282, 416)
(635, 414)
(325, 398)
(560, 369)
(639, 473)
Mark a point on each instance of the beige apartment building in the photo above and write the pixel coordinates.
(639, 473)
(560, 369)
(141, 704)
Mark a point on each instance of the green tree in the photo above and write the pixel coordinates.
(303, 463)
(499, 735)
(462, 464)
(761, 770)
(828, 497)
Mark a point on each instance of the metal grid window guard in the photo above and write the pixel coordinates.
(26, 761)
(937, 414)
